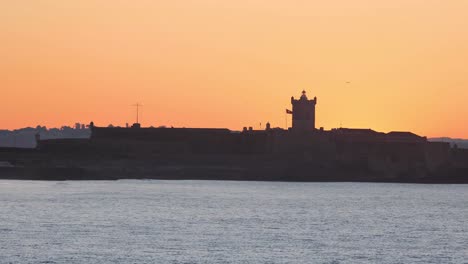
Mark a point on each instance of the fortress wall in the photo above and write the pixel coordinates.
(362, 150)
(157, 134)
(459, 158)
(300, 142)
(12, 155)
(389, 158)
(135, 148)
(63, 145)
(200, 141)
(437, 154)
(179, 140)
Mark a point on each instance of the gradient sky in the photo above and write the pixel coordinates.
(212, 63)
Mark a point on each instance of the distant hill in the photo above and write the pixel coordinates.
(26, 137)
(461, 143)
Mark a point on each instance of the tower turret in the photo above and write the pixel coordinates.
(303, 113)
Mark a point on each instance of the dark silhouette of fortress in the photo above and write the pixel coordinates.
(300, 153)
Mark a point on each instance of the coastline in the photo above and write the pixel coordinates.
(218, 174)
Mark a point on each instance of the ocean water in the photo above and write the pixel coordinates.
(133, 221)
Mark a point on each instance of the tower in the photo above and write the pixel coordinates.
(303, 113)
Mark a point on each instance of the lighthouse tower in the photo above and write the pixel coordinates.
(303, 113)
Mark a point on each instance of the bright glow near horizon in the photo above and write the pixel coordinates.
(212, 63)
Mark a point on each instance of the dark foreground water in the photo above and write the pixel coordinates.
(232, 222)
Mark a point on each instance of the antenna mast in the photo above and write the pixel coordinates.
(137, 111)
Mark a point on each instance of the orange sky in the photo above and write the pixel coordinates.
(211, 63)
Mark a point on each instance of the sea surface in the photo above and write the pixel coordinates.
(151, 221)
